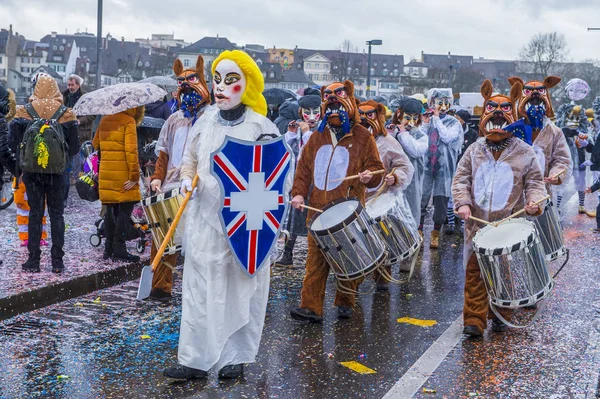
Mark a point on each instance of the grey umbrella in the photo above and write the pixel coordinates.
(118, 98)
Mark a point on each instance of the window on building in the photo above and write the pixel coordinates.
(272, 74)
(62, 48)
(57, 58)
(385, 72)
(140, 63)
(264, 74)
(375, 64)
(309, 65)
(83, 49)
(395, 65)
(396, 72)
(25, 69)
(147, 64)
(373, 71)
(385, 64)
(54, 48)
(186, 63)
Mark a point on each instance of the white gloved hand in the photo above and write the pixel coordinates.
(186, 186)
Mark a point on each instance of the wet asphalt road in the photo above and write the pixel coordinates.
(115, 347)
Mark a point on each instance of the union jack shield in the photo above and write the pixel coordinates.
(252, 177)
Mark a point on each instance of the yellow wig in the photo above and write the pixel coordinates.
(252, 97)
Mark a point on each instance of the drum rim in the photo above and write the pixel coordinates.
(342, 224)
(519, 303)
(497, 251)
(161, 197)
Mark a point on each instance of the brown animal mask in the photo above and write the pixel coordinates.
(372, 116)
(338, 106)
(498, 112)
(534, 93)
(409, 114)
(190, 80)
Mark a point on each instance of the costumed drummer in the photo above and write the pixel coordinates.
(445, 141)
(340, 148)
(492, 177)
(398, 167)
(407, 122)
(192, 99)
(548, 141)
(297, 136)
(223, 310)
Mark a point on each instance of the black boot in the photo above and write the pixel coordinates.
(120, 253)
(108, 250)
(231, 372)
(498, 326)
(57, 265)
(160, 295)
(32, 265)
(184, 373)
(345, 312)
(303, 314)
(472, 331)
(287, 259)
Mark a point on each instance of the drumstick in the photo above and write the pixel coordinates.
(556, 175)
(311, 208)
(173, 227)
(482, 221)
(383, 185)
(521, 211)
(377, 172)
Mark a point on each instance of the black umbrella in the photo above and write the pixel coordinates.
(278, 96)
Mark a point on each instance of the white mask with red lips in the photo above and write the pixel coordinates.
(311, 116)
(229, 84)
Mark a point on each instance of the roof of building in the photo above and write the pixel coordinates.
(446, 60)
(272, 70)
(416, 64)
(221, 43)
(356, 61)
(296, 76)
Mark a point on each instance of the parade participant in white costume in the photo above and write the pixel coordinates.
(223, 310)
(407, 124)
(445, 141)
(192, 98)
(572, 120)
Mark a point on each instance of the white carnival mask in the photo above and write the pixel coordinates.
(311, 116)
(229, 84)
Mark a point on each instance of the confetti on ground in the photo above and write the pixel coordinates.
(408, 296)
(97, 300)
(428, 390)
(62, 377)
(417, 322)
(79, 304)
(359, 368)
(145, 337)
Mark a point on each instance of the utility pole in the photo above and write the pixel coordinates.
(375, 42)
(99, 48)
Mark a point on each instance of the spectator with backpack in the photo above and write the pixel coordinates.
(48, 135)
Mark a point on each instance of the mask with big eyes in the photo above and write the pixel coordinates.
(229, 84)
(191, 80)
(311, 116)
(338, 105)
(441, 104)
(498, 113)
(572, 121)
(534, 99)
(372, 116)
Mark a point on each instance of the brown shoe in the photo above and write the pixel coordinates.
(422, 239)
(435, 239)
(591, 214)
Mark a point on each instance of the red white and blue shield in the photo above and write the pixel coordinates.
(252, 176)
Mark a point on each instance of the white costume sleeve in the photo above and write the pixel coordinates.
(447, 134)
(415, 146)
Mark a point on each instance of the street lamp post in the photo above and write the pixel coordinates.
(99, 47)
(374, 42)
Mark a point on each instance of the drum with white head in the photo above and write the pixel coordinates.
(344, 233)
(513, 265)
(550, 231)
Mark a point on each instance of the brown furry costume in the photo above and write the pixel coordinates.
(188, 80)
(329, 155)
(515, 168)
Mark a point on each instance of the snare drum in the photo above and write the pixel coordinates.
(399, 233)
(160, 211)
(513, 265)
(550, 231)
(344, 232)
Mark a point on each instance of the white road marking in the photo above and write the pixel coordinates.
(410, 383)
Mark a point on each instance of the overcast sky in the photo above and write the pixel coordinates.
(483, 28)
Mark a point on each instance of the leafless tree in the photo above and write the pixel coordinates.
(543, 52)
(341, 64)
(467, 80)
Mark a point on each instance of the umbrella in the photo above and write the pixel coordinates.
(152, 123)
(278, 96)
(111, 100)
(379, 100)
(166, 83)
